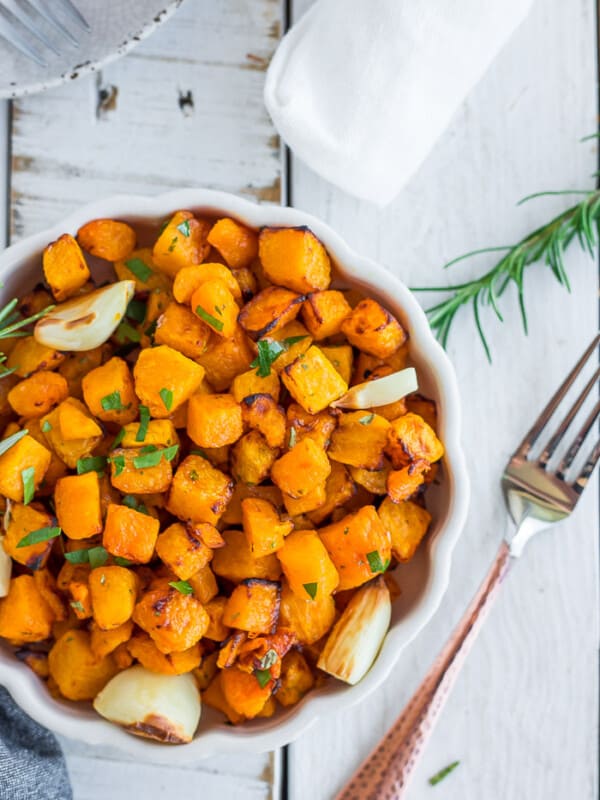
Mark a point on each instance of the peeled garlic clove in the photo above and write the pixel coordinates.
(380, 391)
(163, 707)
(5, 569)
(356, 637)
(85, 322)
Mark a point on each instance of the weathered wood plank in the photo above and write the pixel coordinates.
(523, 716)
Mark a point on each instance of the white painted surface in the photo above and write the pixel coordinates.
(523, 716)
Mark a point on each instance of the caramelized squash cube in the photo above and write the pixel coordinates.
(159, 433)
(373, 329)
(165, 379)
(179, 328)
(181, 548)
(71, 431)
(301, 469)
(309, 618)
(139, 266)
(223, 359)
(215, 305)
(104, 642)
(29, 356)
(251, 383)
(269, 311)
(113, 591)
(77, 503)
(243, 692)
(295, 339)
(107, 238)
(313, 381)
(235, 242)
(131, 479)
(307, 566)
(253, 606)
(324, 312)
(189, 279)
(407, 523)
(130, 534)
(236, 562)
(424, 408)
(75, 668)
(341, 356)
(181, 243)
(20, 522)
(204, 584)
(214, 697)
(295, 258)
(296, 679)
(296, 506)
(404, 482)
(24, 614)
(411, 439)
(302, 425)
(23, 455)
(109, 392)
(36, 395)
(359, 440)
(252, 458)
(264, 530)
(261, 412)
(233, 512)
(65, 268)
(339, 488)
(214, 420)
(199, 492)
(173, 620)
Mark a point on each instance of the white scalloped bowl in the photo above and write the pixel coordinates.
(423, 580)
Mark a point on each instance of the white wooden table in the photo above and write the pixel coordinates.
(523, 719)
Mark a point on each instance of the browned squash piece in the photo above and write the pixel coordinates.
(359, 546)
(295, 339)
(76, 670)
(199, 492)
(301, 469)
(250, 383)
(252, 458)
(264, 529)
(261, 412)
(253, 606)
(181, 548)
(374, 480)
(243, 692)
(109, 393)
(313, 381)
(359, 440)
(104, 642)
(181, 243)
(26, 454)
(403, 483)
(339, 488)
(215, 305)
(29, 356)
(48, 588)
(130, 534)
(19, 523)
(296, 506)
(407, 523)
(179, 328)
(417, 404)
(324, 312)
(213, 696)
(24, 614)
(65, 268)
(76, 365)
(37, 394)
(235, 242)
(295, 258)
(309, 619)
(411, 439)
(217, 630)
(236, 562)
(142, 648)
(71, 431)
(191, 278)
(307, 565)
(342, 357)
(373, 329)
(77, 503)
(214, 420)
(296, 679)
(204, 584)
(107, 238)
(165, 379)
(302, 425)
(233, 512)
(131, 475)
(173, 620)
(270, 310)
(159, 433)
(113, 591)
(223, 359)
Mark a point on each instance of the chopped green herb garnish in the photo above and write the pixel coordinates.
(46, 426)
(200, 453)
(125, 332)
(78, 557)
(112, 402)
(94, 556)
(269, 350)
(136, 310)
(367, 420)
(375, 562)
(172, 245)
(215, 323)
(182, 586)
(7, 443)
(194, 475)
(118, 438)
(292, 440)
(143, 426)
(77, 605)
(28, 478)
(311, 589)
(122, 562)
(151, 458)
(263, 676)
(141, 270)
(166, 395)
(439, 776)
(91, 464)
(163, 226)
(40, 535)
(132, 502)
(151, 329)
(269, 658)
(119, 464)
(184, 227)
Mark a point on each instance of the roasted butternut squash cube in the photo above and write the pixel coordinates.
(264, 529)
(24, 614)
(301, 469)
(217, 630)
(339, 488)
(342, 357)
(29, 356)
(250, 383)
(296, 679)
(214, 420)
(147, 653)
(113, 591)
(199, 492)
(26, 454)
(76, 670)
(309, 618)
(411, 439)
(374, 480)
(417, 404)
(253, 606)
(81, 599)
(295, 339)
(373, 329)
(407, 523)
(75, 421)
(19, 523)
(235, 242)
(130, 474)
(48, 588)
(213, 696)
(107, 238)
(223, 359)
(77, 503)
(165, 379)
(181, 548)
(236, 562)
(215, 305)
(173, 620)
(233, 512)
(109, 393)
(65, 268)
(181, 243)
(189, 279)
(204, 584)
(404, 482)
(36, 395)
(243, 692)
(302, 425)
(104, 642)
(139, 266)
(129, 533)
(313, 381)
(261, 412)
(307, 565)
(324, 312)
(359, 546)
(295, 258)
(359, 440)
(71, 431)
(159, 433)
(252, 458)
(295, 506)
(179, 328)
(270, 310)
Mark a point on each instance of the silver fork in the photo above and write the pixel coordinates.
(536, 498)
(25, 30)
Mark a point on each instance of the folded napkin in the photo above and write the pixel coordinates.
(362, 89)
(32, 766)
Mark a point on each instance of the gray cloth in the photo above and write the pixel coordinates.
(32, 766)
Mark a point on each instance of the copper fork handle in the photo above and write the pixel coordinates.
(386, 772)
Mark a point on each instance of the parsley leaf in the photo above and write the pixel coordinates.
(132, 502)
(215, 323)
(143, 426)
(91, 464)
(269, 350)
(28, 478)
(125, 332)
(292, 440)
(269, 658)
(46, 426)
(94, 556)
(136, 310)
(112, 402)
(141, 270)
(367, 420)
(40, 535)
(7, 443)
(375, 562)
(439, 776)
(77, 605)
(184, 227)
(122, 562)
(118, 438)
(166, 395)
(119, 464)
(263, 676)
(151, 458)
(311, 589)
(182, 586)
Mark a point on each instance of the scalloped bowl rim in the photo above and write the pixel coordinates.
(76, 723)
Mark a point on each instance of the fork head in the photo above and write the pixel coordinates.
(537, 496)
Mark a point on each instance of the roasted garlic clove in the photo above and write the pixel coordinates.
(356, 637)
(162, 707)
(85, 322)
(5, 569)
(379, 392)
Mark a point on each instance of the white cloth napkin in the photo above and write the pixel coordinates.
(362, 89)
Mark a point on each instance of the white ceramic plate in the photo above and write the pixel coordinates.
(423, 580)
(116, 27)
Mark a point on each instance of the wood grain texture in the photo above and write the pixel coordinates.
(522, 718)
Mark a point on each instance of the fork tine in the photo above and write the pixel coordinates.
(75, 13)
(564, 425)
(532, 435)
(578, 441)
(45, 12)
(17, 23)
(16, 40)
(581, 482)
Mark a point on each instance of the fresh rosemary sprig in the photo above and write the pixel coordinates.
(548, 244)
(11, 324)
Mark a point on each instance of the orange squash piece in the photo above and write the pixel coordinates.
(29, 356)
(23, 455)
(130, 479)
(181, 548)
(307, 565)
(65, 268)
(223, 359)
(309, 619)
(24, 614)
(181, 243)
(165, 379)
(373, 329)
(23, 520)
(236, 562)
(36, 395)
(407, 523)
(301, 469)
(104, 642)
(269, 311)
(411, 439)
(109, 393)
(214, 420)
(179, 328)
(215, 305)
(113, 590)
(129, 533)
(253, 606)
(264, 530)
(237, 244)
(76, 670)
(107, 238)
(252, 458)
(295, 258)
(359, 440)
(199, 492)
(324, 312)
(77, 503)
(173, 620)
(313, 381)
(261, 412)
(243, 692)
